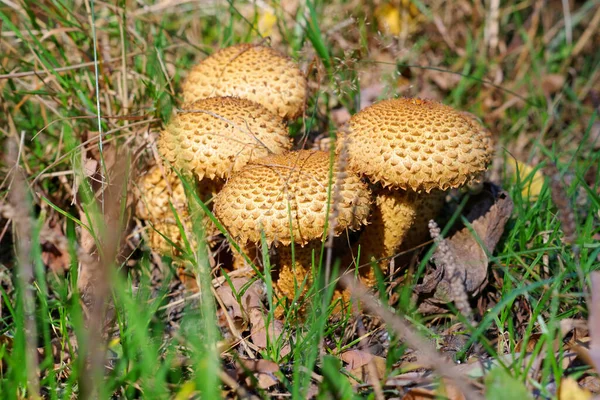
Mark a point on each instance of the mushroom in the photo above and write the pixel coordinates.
(157, 190)
(414, 149)
(286, 198)
(213, 137)
(257, 73)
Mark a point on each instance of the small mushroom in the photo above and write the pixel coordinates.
(286, 198)
(156, 191)
(417, 145)
(211, 138)
(416, 149)
(257, 73)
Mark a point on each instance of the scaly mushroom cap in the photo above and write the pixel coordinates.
(417, 144)
(286, 191)
(216, 136)
(153, 205)
(257, 73)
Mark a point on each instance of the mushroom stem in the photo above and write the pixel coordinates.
(394, 213)
(248, 250)
(295, 277)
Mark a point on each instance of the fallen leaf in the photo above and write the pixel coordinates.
(499, 385)
(266, 22)
(55, 251)
(358, 365)
(594, 320)
(591, 383)
(430, 392)
(262, 370)
(488, 213)
(259, 335)
(569, 389)
(531, 180)
(552, 83)
(250, 297)
(396, 19)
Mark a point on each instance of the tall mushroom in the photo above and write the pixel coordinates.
(287, 198)
(413, 148)
(252, 72)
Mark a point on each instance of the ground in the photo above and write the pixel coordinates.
(88, 308)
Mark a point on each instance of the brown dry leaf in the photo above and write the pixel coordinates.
(489, 212)
(358, 362)
(591, 383)
(258, 331)
(443, 80)
(251, 295)
(262, 370)
(55, 252)
(429, 392)
(570, 390)
(552, 83)
(594, 320)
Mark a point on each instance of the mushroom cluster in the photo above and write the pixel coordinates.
(235, 105)
(386, 179)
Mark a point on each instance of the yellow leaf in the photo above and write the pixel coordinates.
(266, 22)
(521, 173)
(392, 19)
(186, 390)
(570, 390)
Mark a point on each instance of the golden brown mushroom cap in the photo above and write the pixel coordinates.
(417, 144)
(216, 136)
(257, 73)
(290, 190)
(154, 196)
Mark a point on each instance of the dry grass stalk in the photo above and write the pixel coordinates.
(95, 273)
(458, 293)
(22, 224)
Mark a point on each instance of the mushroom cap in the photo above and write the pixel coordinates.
(417, 144)
(257, 73)
(153, 194)
(220, 135)
(287, 196)
(153, 205)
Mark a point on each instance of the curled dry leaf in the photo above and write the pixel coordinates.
(250, 297)
(358, 361)
(262, 370)
(55, 252)
(259, 334)
(430, 392)
(488, 214)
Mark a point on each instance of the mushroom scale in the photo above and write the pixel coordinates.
(257, 73)
(417, 144)
(287, 195)
(216, 136)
